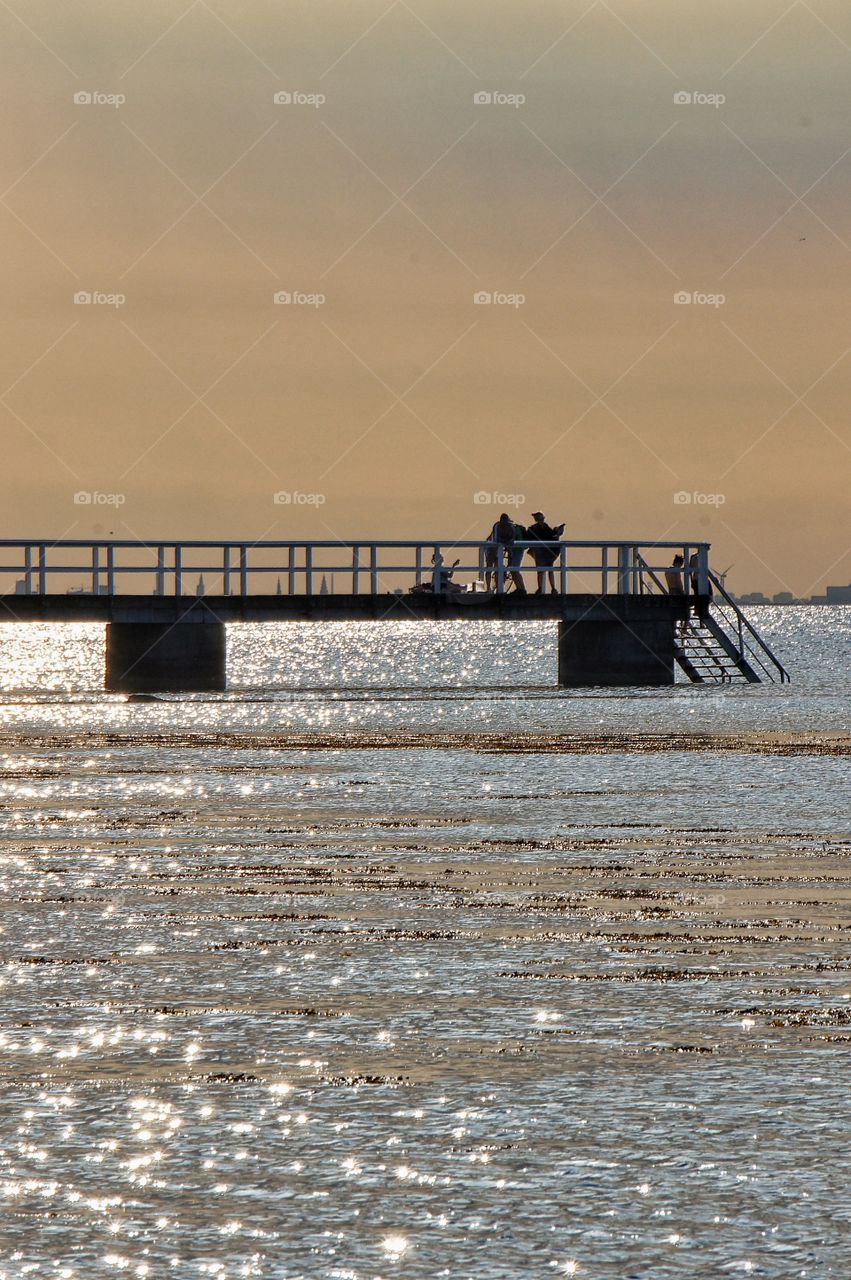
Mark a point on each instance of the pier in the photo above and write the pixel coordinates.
(166, 604)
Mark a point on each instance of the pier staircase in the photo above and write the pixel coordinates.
(722, 646)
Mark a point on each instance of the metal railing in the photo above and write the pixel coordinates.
(751, 647)
(750, 643)
(114, 567)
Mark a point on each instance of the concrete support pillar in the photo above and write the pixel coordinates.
(146, 657)
(639, 651)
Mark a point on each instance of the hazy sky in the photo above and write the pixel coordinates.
(398, 399)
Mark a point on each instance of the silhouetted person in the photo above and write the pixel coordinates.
(441, 578)
(674, 577)
(546, 554)
(701, 605)
(515, 555)
(674, 583)
(500, 543)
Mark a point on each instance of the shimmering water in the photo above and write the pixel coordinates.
(280, 999)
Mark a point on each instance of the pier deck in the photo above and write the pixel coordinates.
(421, 607)
(623, 608)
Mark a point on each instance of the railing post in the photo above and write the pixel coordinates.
(226, 569)
(562, 570)
(436, 570)
(373, 570)
(308, 568)
(355, 569)
(110, 569)
(604, 570)
(95, 570)
(42, 569)
(500, 568)
(419, 564)
(243, 570)
(178, 570)
(623, 570)
(160, 571)
(28, 570)
(291, 570)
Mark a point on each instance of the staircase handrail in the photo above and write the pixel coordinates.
(743, 623)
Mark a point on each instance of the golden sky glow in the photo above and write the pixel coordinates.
(398, 398)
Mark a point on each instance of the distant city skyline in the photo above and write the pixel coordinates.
(831, 595)
(383, 270)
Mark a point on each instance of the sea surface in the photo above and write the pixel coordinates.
(397, 961)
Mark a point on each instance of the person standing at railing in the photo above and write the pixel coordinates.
(674, 583)
(500, 543)
(515, 556)
(701, 603)
(674, 577)
(546, 554)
